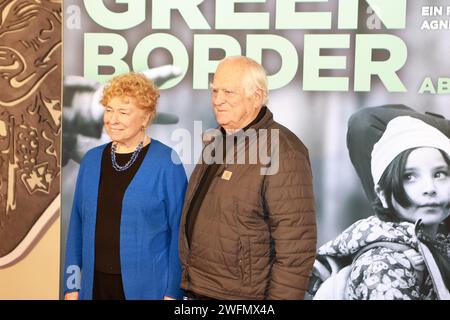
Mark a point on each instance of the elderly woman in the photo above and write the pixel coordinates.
(123, 232)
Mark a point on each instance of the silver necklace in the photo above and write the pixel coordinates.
(130, 162)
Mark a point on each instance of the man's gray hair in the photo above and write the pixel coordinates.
(255, 76)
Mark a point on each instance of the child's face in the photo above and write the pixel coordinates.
(426, 181)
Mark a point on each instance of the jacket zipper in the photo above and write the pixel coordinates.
(188, 281)
(190, 204)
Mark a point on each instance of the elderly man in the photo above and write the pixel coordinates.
(248, 229)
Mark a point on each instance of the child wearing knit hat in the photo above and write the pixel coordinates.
(403, 251)
(410, 169)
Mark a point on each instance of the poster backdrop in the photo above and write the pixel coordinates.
(30, 152)
(325, 60)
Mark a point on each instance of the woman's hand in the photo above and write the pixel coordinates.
(168, 298)
(71, 296)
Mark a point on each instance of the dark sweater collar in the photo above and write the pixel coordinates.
(255, 121)
(262, 120)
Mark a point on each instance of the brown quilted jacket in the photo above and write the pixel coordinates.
(255, 234)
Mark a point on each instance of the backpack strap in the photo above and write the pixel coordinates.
(436, 276)
(439, 286)
(385, 244)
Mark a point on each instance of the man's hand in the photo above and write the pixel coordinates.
(71, 296)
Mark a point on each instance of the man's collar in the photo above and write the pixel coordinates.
(261, 114)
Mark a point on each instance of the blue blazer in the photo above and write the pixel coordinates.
(151, 211)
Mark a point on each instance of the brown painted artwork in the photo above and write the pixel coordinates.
(30, 119)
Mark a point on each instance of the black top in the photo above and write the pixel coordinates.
(112, 187)
(210, 173)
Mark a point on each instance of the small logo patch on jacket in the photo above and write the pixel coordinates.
(226, 175)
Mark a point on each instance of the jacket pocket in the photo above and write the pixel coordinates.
(245, 260)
